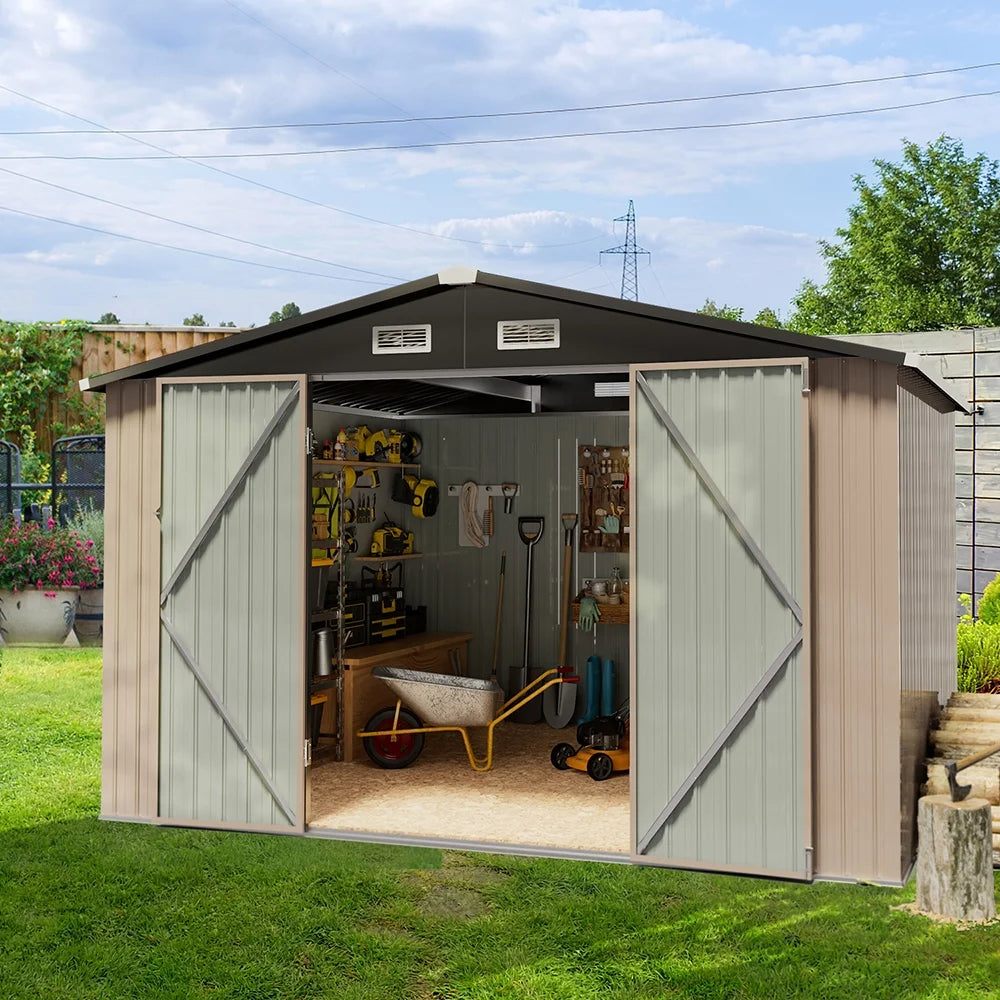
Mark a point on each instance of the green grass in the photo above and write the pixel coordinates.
(105, 910)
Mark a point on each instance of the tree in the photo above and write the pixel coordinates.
(768, 317)
(196, 320)
(109, 319)
(721, 312)
(228, 322)
(921, 249)
(288, 311)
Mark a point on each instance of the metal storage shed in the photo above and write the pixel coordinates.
(792, 612)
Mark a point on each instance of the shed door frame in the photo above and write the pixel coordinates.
(294, 409)
(804, 607)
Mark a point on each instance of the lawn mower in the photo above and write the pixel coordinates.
(604, 747)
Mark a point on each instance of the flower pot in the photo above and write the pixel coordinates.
(37, 617)
(89, 624)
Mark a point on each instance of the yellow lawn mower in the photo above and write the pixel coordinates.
(604, 747)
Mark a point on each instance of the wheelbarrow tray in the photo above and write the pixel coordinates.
(443, 699)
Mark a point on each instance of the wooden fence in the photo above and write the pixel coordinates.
(108, 348)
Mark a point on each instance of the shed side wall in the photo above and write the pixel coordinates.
(927, 583)
(131, 659)
(856, 628)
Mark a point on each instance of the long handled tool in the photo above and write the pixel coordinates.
(530, 530)
(960, 792)
(496, 633)
(559, 703)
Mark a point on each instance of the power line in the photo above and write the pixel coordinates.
(200, 253)
(702, 126)
(199, 229)
(280, 191)
(423, 119)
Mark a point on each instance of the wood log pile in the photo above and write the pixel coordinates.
(969, 722)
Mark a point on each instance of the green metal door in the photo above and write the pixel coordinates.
(232, 603)
(720, 701)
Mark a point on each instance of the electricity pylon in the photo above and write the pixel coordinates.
(629, 252)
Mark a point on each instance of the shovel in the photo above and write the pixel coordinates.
(559, 702)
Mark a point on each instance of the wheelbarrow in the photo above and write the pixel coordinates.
(394, 737)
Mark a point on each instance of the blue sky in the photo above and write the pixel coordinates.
(732, 214)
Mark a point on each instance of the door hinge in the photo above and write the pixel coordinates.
(810, 871)
(307, 753)
(806, 380)
(310, 441)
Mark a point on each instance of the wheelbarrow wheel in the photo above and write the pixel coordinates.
(393, 753)
(600, 767)
(561, 752)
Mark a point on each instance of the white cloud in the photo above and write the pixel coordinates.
(820, 39)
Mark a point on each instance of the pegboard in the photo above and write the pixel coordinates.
(603, 481)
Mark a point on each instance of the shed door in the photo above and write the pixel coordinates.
(720, 701)
(232, 599)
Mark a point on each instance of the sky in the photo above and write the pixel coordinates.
(104, 209)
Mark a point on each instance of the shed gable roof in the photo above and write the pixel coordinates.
(463, 308)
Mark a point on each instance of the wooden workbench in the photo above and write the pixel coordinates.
(439, 652)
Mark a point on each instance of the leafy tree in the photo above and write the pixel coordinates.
(37, 391)
(109, 319)
(768, 317)
(288, 311)
(721, 312)
(921, 249)
(196, 320)
(227, 322)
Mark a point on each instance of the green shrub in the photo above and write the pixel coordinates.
(978, 647)
(989, 603)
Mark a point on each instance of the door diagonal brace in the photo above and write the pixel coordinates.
(709, 483)
(227, 494)
(229, 722)
(710, 754)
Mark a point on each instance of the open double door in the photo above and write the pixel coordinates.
(719, 638)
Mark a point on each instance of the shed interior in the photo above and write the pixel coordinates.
(437, 607)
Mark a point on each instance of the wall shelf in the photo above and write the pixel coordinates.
(383, 559)
(334, 464)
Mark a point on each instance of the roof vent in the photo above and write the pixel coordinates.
(602, 389)
(527, 334)
(414, 338)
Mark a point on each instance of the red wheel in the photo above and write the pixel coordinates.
(393, 753)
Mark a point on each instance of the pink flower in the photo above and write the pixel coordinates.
(51, 523)
(50, 593)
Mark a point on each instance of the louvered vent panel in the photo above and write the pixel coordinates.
(526, 334)
(411, 339)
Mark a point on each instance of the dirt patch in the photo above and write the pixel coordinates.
(938, 918)
(454, 902)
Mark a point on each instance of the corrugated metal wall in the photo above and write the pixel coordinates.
(459, 584)
(927, 583)
(240, 607)
(709, 625)
(856, 627)
(130, 715)
(970, 366)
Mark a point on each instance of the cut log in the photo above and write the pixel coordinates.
(988, 732)
(955, 858)
(984, 778)
(971, 714)
(966, 699)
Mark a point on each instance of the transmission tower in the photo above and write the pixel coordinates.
(629, 252)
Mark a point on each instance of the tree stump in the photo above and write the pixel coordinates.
(955, 858)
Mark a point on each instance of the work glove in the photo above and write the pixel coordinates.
(612, 525)
(590, 613)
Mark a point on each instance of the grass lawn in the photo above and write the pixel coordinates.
(105, 910)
